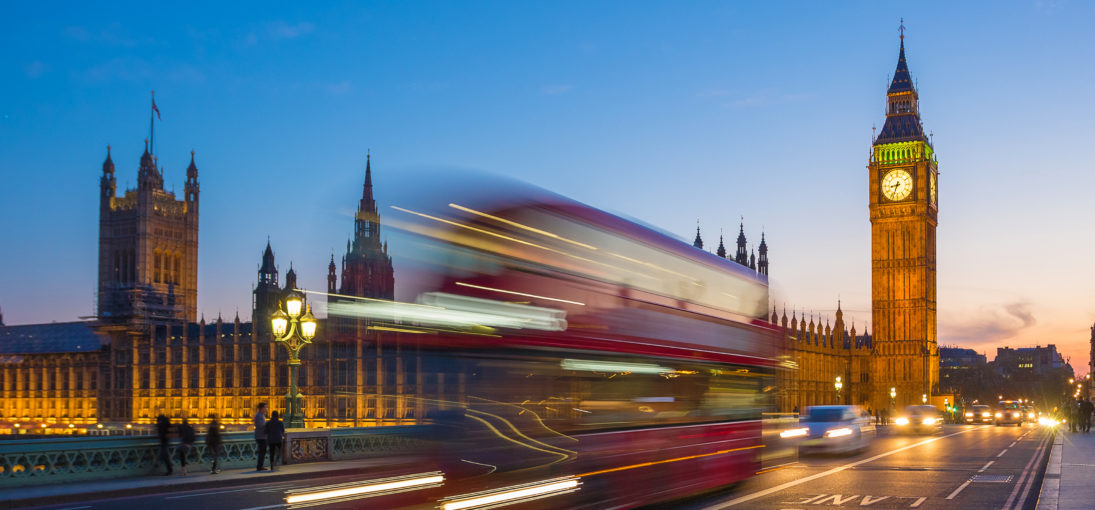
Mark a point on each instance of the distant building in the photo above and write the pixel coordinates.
(958, 358)
(962, 372)
(1028, 363)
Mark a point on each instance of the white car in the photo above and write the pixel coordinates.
(837, 429)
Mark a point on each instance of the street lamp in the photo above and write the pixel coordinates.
(893, 397)
(924, 398)
(838, 384)
(294, 331)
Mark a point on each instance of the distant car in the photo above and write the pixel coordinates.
(979, 414)
(837, 429)
(920, 419)
(1008, 413)
(1029, 414)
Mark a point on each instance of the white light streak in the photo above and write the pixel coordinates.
(513, 495)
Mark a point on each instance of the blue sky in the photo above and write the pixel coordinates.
(663, 111)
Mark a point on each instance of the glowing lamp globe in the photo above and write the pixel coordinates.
(308, 325)
(293, 304)
(280, 322)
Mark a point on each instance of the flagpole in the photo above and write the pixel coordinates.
(152, 125)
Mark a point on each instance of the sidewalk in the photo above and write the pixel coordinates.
(199, 478)
(1069, 483)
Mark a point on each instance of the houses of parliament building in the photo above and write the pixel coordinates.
(148, 352)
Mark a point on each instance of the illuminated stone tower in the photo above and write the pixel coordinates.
(903, 202)
(367, 267)
(148, 247)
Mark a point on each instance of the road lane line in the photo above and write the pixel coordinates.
(765, 492)
(918, 501)
(959, 489)
(1026, 473)
(1001, 454)
(986, 466)
(1012, 445)
(282, 505)
(228, 491)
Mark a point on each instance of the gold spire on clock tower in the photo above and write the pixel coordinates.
(903, 203)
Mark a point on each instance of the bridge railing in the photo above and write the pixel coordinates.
(66, 459)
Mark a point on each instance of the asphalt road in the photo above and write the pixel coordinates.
(964, 467)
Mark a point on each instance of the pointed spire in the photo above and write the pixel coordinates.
(698, 243)
(742, 256)
(268, 266)
(902, 81)
(290, 278)
(722, 248)
(108, 163)
(192, 170)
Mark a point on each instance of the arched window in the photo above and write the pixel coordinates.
(157, 268)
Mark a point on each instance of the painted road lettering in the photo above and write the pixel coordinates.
(855, 500)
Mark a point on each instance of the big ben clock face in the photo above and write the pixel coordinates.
(897, 185)
(931, 185)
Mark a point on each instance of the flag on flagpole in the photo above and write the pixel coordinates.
(157, 110)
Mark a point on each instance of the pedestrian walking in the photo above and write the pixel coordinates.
(1073, 415)
(260, 435)
(163, 431)
(186, 442)
(213, 444)
(1086, 408)
(275, 436)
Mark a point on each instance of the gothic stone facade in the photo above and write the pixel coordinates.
(903, 204)
(148, 247)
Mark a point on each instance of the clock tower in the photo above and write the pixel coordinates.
(903, 203)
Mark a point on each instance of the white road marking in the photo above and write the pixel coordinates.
(870, 500)
(1012, 445)
(280, 487)
(283, 505)
(959, 489)
(986, 466)
(918, 502)
(1027, 477)
(1001, 454)
(765, 492)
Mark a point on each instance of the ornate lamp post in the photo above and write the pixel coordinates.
(924, 398)
(893, 397)
(838, 385)
(294, 331)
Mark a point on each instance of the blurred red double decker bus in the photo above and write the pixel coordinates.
(572, 358)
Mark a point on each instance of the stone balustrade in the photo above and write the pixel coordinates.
(26, 462)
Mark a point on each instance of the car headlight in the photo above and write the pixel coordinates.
(1030, 415)
(929, 421)
(1016, 415)
(902, 421)
(842, 431)
(969, 415)
(999, 415)
(789, 433)
(985, 415)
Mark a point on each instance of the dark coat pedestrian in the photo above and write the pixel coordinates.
(163, 431)
(186, 442)
(1086, 408)
(260, 436)
(213, 443)
(275, 437)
